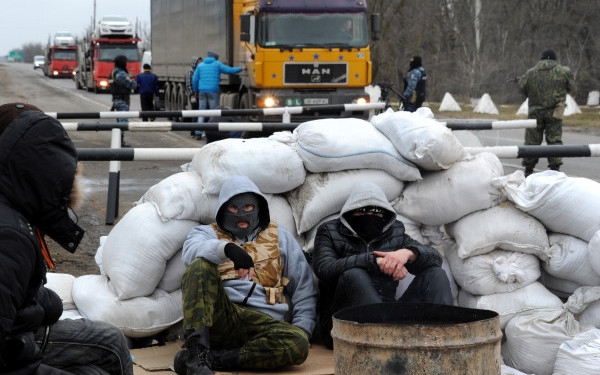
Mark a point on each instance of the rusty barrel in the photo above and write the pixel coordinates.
(416, 338)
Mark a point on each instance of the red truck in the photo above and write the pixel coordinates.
(96, 55)
(60, 61)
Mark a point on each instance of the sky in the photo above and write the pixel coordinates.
(32, 21)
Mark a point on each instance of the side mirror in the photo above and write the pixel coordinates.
(375, 26)
(245, 30)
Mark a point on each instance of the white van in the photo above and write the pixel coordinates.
(146, 59)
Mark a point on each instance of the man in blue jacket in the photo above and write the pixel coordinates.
(147, 84)
(206, 81)
(242, 270)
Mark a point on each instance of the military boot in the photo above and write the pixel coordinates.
(224, 360)
(197, 344)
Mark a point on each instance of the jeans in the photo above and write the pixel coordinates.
(121, 105)
(81, 346)
(207, 100)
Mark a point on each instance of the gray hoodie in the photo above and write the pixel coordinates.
(202, 242)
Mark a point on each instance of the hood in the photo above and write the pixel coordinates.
(242, 184)
(38, 160)
(367, 194)
(546, 64)
(121, 62)
(195, 61)
(209, 60)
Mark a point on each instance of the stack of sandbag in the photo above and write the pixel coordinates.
(62, 284)
(554, 341)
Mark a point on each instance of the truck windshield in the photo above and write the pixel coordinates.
(108, 52)
(64, 55)
(279, 30)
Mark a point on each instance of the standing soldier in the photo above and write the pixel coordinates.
(121, 87)
(546, 86)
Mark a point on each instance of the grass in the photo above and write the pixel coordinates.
(588, 119)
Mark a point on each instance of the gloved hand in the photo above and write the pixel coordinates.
(240, 258)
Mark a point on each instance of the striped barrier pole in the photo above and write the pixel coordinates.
(278, 111)
(485, 125)
(517, 152)
(114, 178)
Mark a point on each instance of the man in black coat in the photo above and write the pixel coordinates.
(38, 164)
(360, 257)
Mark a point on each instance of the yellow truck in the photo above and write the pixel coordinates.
(297, 52)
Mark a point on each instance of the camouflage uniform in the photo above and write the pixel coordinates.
(546, 85)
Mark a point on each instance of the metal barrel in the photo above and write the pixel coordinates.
(416, 338)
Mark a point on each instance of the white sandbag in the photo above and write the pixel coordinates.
(281, 212)
(171, 280)
(62, 284)
(136, 317)
(498, 271)
(98, 255)
(568, 260)
(507, 370)
(309, 236)
(580, 355)
(338, 144)
(568, 205)
(500, 227)
(424, 141)
(413, 229)
(71, 314)
(181, 196)
(445, 196)
(593, 251)
(585, 303)
(323, 194)
(560, 287)
(508, 305)
(137, 249)
(273, 166)
(532, 340)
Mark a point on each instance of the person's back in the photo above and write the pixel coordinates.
(546, 84)
(147, 82)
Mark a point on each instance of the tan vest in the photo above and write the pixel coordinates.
(264, 251)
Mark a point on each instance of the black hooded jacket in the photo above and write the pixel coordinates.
(37, 170)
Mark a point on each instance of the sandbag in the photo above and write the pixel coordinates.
(445, 196)
(62, 284)
(323, 194)
(567, 205)
(593, 251)
(174, 270)
(181, 196)
(337, 144)
(136, 317)
(273, 166)
(532, 340)
(585, 303)
(136, 251)
(500, 227)
(508, 305)
(568, 260)
(498, 271)
(560, 287)
(579, 355)
(424, 141)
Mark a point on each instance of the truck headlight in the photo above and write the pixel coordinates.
(267, 102)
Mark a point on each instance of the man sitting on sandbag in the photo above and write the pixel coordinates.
(241, 270)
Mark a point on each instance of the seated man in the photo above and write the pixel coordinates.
(241, 271)
(360, 257)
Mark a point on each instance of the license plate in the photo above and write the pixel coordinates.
(316, 101)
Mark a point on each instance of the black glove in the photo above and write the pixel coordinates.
(240, 258)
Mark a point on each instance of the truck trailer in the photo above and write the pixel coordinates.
(297, 52)
(96, 56)
(60, 61)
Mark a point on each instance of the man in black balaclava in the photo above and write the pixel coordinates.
(360, 257)
(414, 85)
(38, 165)
(121, 87)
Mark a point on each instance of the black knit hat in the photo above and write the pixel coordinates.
(548, 55)
(9, 111)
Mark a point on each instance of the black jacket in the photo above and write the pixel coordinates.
(338, 248)
(37, 170)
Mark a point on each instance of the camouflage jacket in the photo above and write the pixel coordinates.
(546, 85)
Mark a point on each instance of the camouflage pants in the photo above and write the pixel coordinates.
(265, 343)
(552, 127)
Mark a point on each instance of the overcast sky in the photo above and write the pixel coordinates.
(32, 21)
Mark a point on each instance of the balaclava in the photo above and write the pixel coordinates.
(548, 55)
(368, 226)
(230, 219)
(415, 62)
(121, 62)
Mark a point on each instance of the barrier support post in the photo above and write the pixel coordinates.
(112, 199)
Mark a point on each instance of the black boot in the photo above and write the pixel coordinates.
(197, 344)
(224, 360)
(179, 363)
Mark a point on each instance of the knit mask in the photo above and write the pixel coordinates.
(241, 215)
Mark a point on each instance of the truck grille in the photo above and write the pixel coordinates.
(311, 74)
